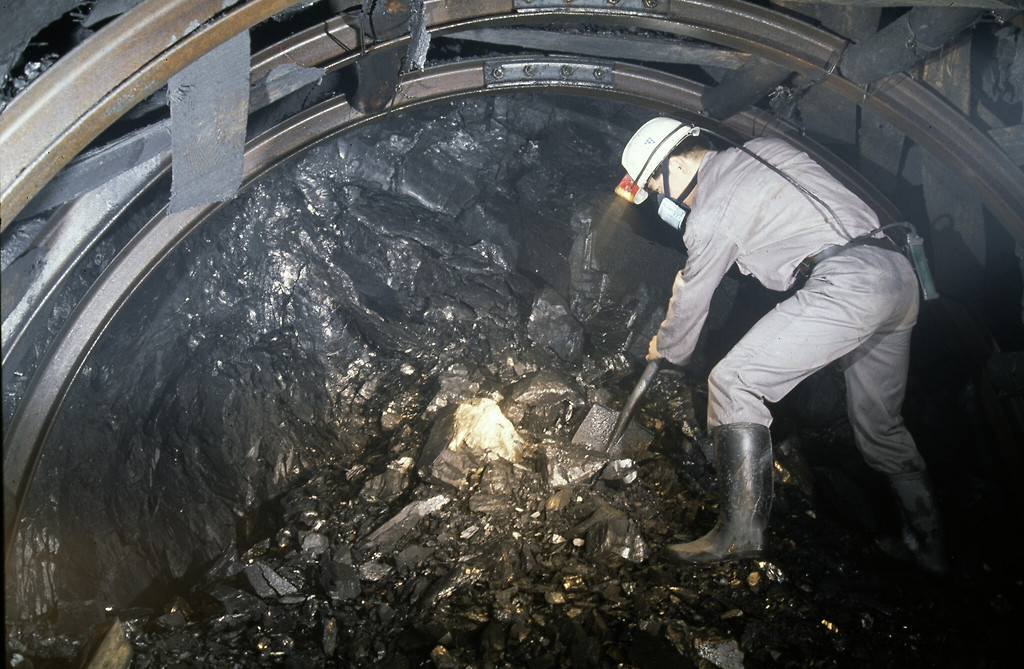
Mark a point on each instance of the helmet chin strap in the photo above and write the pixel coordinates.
(664, 184)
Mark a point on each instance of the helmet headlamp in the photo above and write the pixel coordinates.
(648, 148)
(631, 190)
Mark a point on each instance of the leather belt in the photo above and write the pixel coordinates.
(806, 266)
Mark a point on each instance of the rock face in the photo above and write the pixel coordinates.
(551, 324)
(325, 316)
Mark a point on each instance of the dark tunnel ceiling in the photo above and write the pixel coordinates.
(40, 137)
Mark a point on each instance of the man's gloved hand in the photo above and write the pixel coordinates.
(652, 350)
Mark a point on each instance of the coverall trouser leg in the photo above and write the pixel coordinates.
(859, 306)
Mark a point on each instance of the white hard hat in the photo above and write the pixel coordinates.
(645, 151)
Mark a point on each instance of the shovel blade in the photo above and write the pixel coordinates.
(597, 427)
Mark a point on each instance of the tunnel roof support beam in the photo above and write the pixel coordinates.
(94, 85)
(744, 87)
(92, 169)
(624, 47)
(1002, 8)
(905, 42)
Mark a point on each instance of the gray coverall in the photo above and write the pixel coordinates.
(857, 307)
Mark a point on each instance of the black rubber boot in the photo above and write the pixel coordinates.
(743, 457)
(922, 530)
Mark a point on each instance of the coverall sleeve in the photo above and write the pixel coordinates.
(691, 298)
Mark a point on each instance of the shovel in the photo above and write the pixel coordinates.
(596, 430)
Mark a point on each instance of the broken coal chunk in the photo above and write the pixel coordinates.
(411, 557)
(552, 325)
(226, 566)
(266, 582)
(172, 620)
(723, 653)
(622, 471)
(373, 571)
(559, 500)
(488, 504)
(455, 386)
(314, 544)
(570, 466)
(543, 402)
(443, 658)
(330, 640)
(389, 485)
(611, 532)
(396, 528)
(544, 387)
(499, 478)
(464, 440)
(619, 537)
(448, 584)
(498, 488)
(554, 597)
(492, 641)
(234, 600)
(340, 581)
(792, 469)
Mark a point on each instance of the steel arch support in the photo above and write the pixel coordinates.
(94, 85)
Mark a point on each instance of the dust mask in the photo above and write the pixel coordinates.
(670, 210)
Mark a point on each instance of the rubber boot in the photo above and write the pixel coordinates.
(922, 531)
(743, 458)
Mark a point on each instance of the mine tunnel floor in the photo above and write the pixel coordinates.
(372, 566)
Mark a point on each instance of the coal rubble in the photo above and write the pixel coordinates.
(354, 420)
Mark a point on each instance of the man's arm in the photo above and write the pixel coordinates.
(690, 301)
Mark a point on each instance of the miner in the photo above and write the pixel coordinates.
(777, 215)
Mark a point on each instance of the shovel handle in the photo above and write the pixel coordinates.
(634, 398)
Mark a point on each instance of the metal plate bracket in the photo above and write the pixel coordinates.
(546, 72)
